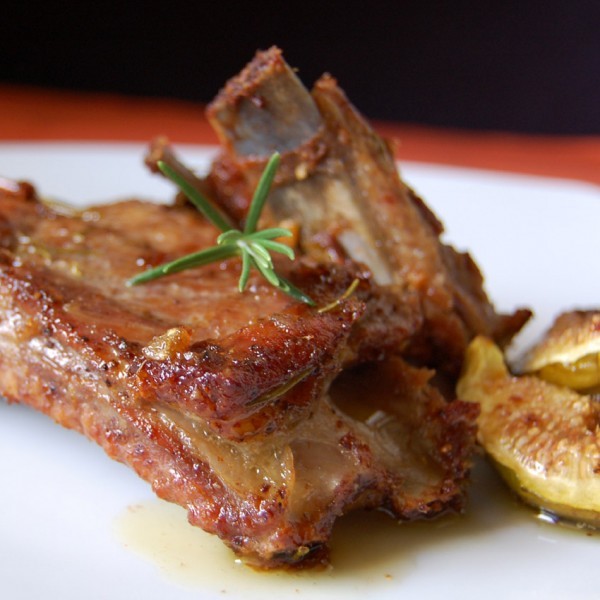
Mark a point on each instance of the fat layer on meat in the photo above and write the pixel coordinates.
(220, 400)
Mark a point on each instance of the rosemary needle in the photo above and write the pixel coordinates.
(254, 247)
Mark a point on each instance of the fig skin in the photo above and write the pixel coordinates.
(544, 438)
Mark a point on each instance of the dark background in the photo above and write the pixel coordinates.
(528, 66)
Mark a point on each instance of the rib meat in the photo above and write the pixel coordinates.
(222, 400)
(340, 182)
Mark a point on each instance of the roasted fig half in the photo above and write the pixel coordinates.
(544, 438)
(569, 354)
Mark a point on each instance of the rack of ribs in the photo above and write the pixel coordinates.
(266, 418)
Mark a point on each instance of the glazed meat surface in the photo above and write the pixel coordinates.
(223, 401)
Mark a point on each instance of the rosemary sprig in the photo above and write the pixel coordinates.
(254, 247)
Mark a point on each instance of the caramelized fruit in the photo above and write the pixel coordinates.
(544, 438)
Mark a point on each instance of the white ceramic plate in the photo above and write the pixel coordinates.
(74, 524)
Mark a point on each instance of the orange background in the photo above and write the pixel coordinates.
(29, 114)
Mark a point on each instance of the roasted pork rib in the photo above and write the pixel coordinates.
(340, 182)
(266, 418)
(217, 398)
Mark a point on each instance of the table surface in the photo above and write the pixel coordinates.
(32, 114)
